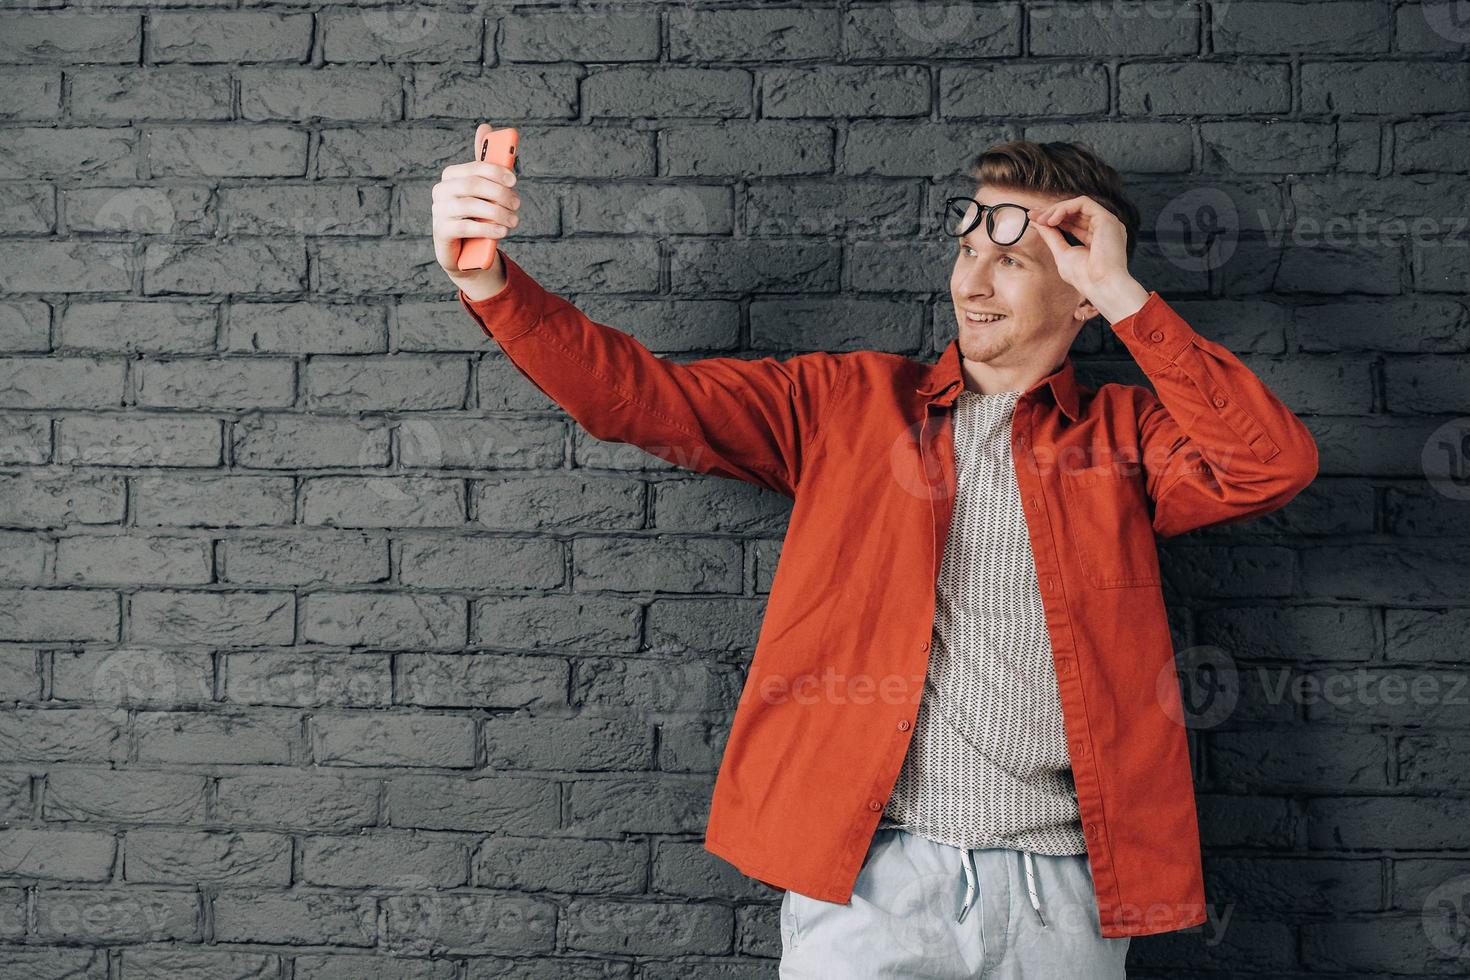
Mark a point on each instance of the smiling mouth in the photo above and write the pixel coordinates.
(989, 318)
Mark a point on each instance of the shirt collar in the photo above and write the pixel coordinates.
(945, 379)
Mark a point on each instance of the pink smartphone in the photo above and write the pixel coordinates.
(497, 146)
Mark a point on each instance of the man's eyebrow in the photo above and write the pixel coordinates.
(1013, 247)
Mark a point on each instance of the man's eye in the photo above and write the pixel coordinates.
(1007, 258)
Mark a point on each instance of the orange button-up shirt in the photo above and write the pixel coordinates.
(863, 444)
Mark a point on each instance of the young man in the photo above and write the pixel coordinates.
(960, 748)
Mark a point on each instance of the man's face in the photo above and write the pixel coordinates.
(1018, 280)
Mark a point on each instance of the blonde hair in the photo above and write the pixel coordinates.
(1063, 169)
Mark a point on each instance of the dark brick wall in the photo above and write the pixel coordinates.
(329, 648)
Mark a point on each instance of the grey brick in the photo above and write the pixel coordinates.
(24, 439)
(71, 267)
(306, 680)
(66, 36)
(138, 440)
(416, 34)
(648, 928)
(71, 382)
(117, 915)
(377, 739)
(555, 620)
(558, 501)
(1383, 86)
(58, 735)
(536, 93)
(559, 864)
(937, 30)
(133, 327)
(20, 680)
(203, 500)
(31, 94)
(312, 799)
(177, 963)
(149, 93)
(1309, 28)
(238, 150)
(1203, 87)
(499, 803)
(250, 266)
(682, 565)
(363, 862)
(480, 680)
(396, 382)
(303, 94)
(129, 795)
(162, 678)
(60, 498)
(342, 966)
(28, 210)
(98, 153)
(383, 619)
(1023, 90)
(1149, 28)
(214, 857)
(228, 36)
(577, 744)
(318, 559)
(304, 328)
(145, 210)
(216, 738)
(409, 501)
(228, 619)
(296, 916)
(64, 855)
(615, 34)
(288, 442)
(216, 383)
(479, 443)
(464, 562)
(309, 209)
(469, 923)
(24, 325)
(837, 92)
(57, 614)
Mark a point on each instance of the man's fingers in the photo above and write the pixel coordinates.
(480, 168)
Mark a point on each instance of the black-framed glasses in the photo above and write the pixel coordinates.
(1004, 223)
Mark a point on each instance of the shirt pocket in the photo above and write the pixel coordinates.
(1111, 527)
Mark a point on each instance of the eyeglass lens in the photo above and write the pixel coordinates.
(1004, 223)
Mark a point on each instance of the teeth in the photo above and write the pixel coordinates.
(988, 318)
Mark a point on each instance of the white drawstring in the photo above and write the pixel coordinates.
(1031, 885)
(967, 860)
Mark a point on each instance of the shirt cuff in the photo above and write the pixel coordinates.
(513, 311)
(1154, 333)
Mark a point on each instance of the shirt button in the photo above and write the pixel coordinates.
(1051, 584)
(1092, 829)
(1219, 400)
(925, 647)
(903, 726)
(874, 805)
(1156, 336)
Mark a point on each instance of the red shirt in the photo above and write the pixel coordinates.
(863, 444)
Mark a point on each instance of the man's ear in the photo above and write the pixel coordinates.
(1085, 311)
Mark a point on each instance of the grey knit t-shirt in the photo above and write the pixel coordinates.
(988, 765)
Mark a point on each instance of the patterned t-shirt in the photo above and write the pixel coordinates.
(988, 765)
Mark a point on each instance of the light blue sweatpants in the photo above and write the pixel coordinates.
(922, 909)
